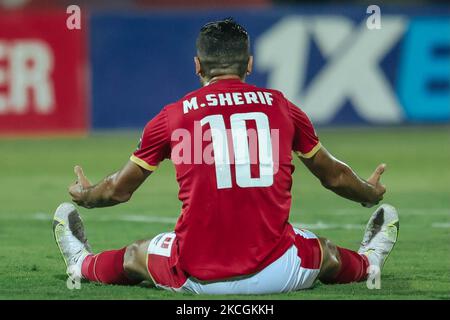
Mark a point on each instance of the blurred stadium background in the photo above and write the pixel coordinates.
(82, 96)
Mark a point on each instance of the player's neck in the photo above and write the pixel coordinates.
(223, 77)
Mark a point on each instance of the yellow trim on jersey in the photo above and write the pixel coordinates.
(311, 153)
(142, 163)
(321, 253)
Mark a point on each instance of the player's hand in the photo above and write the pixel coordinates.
(76, 189)
(379, 188)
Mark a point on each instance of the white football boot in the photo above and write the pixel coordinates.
(69, 234)
(380, 235)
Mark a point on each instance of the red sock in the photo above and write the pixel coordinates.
(353, 267)
(106, 267)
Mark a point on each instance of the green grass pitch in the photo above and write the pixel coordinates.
(34, 175)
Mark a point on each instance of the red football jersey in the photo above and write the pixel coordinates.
(231, 144)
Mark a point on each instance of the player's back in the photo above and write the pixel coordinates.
(232, 144)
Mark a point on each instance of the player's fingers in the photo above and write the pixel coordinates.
(78, 171)
(81, 177)
(375, 177)
(380, 170)
(75, 186)
(73, 190)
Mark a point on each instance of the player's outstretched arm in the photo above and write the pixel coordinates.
(341, 179)
(114, 189)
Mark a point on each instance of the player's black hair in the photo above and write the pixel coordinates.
(223, 47)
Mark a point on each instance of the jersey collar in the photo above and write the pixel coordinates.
(231, 80)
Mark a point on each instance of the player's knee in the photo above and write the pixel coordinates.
(129, 259)
(331, 263)
(132, 261)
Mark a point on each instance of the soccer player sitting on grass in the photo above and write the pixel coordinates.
(233, 235)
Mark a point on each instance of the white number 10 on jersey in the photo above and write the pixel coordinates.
(241, 150)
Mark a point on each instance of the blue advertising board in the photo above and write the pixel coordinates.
(325, 59)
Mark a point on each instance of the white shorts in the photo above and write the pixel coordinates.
(296, 269)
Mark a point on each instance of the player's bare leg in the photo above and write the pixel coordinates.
(341, 265)
(126, 266)
(331, 263)
(135, 260)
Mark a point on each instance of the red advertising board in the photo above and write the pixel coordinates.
(43, 74)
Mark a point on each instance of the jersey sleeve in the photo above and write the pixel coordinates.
(306, 143)
(154, 146)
